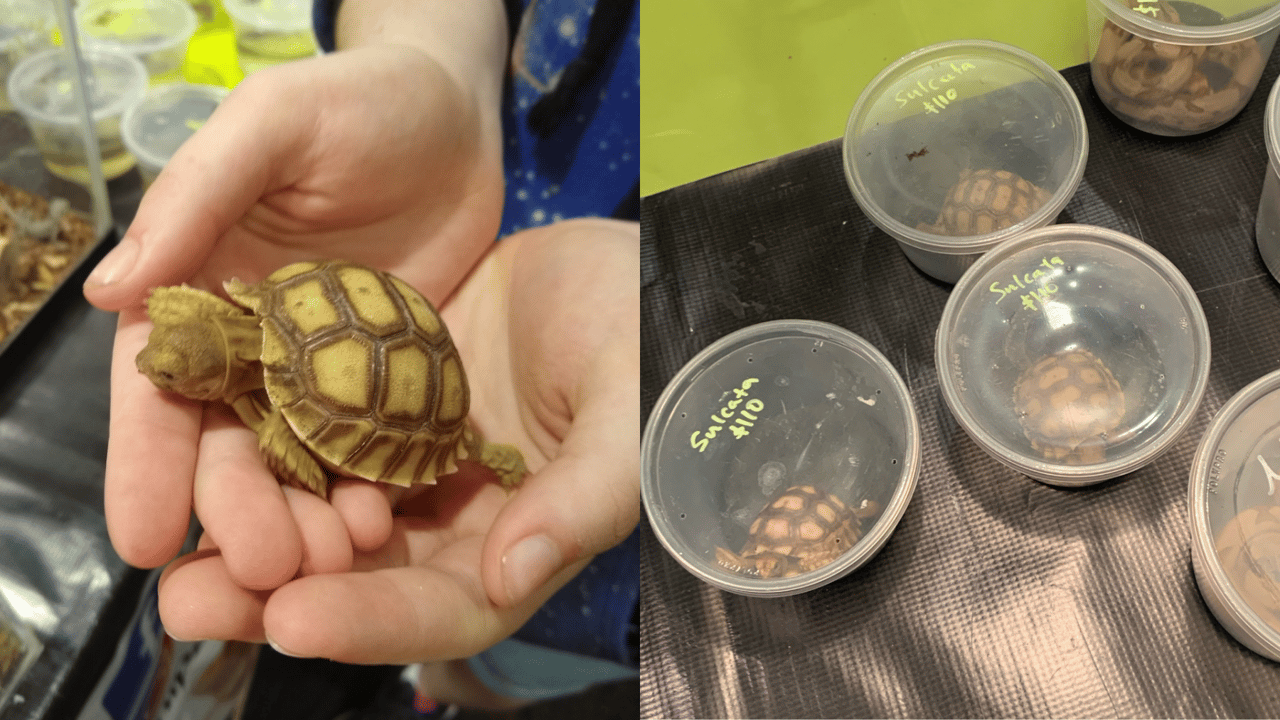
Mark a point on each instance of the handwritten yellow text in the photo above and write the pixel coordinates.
(1030, 286)
(1148, 7)
(934, 93)
(738, 416)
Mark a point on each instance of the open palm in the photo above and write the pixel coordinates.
(547, 328)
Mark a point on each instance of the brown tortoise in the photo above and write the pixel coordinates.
(801, 530)
(984, 201)
(1068, 403)
(336, 366)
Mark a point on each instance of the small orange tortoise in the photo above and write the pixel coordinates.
(336, 366)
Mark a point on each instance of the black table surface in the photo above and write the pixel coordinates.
(997, 595)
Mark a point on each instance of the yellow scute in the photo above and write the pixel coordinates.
(453, 391)
(405, 390)
(423, 314)
(340, 371)
(370, 301)
(308, 308)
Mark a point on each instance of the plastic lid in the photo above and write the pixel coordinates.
(1073, 354)
(1271, 124)
(42, 86)
(1235, 516)
(1207, 22)
(961, 110)
(156, 126)
(137, 26)
(797, 428)
(278, 15)
(20, 19)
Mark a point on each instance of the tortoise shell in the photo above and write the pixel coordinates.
(984, 201)
(1068, 402)
(1249, 549)
(362, 368)
(802, 529)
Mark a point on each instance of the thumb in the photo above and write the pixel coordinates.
(582, 503)
(204, 189)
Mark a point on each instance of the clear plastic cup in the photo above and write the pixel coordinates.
(1234, 500)
(157, 125)
(42, 89)
(1073, 354)
(780, 458)
(26, 27)
(1172, 67)
(269, 32)
(1267, 225)
(958, 146)
(154, 31)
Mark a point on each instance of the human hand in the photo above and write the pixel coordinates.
(548, 330)
(376, 155)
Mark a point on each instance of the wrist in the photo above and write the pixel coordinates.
(467, 39)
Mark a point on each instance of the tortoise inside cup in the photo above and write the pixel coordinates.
(1172, 67)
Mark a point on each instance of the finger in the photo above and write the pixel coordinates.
(200, 601)
(365, 508)
(583, 502)
(205, 188)
(326, 547)
(151, 458)
(242, 507)
(393, 615)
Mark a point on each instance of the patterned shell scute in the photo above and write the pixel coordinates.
(1068, 402)
(363, 370)
(801, 530)
(984, 201)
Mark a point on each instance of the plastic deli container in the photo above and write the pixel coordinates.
(154, 128)
(1170, 67)
(43, 91)
(1267, 227)
(780, 458)
(1234, 501)
(958, 146)
(154, 31)
(1073, 354)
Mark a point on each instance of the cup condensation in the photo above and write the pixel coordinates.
(156, 126)
(154, 31)
(1234, 504)
(958, 146)
(789, 428)
(269, 32)
(42, 89)
(1073, 354)
(1173, 67)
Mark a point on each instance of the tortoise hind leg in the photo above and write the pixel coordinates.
(287, 458)
(505, 460)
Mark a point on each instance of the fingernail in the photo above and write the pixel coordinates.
(175, 638)
(528, 564)
(115, 265)
(281, 650)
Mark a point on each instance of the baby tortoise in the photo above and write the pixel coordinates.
(1249, 548)
(336, 366)
(802, 529)
(1067, 403)
(1173, 89)
(984, 201)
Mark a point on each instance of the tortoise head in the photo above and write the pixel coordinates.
(188, 351)
(189, 359)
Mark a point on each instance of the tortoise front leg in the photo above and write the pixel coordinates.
(288, 459)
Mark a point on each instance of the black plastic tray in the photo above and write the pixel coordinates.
(997, 596)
